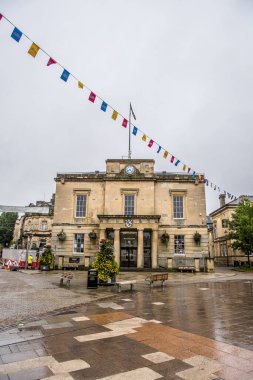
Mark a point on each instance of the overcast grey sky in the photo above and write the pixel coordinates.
(186, 66)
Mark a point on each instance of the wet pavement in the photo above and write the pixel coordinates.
(196, 327)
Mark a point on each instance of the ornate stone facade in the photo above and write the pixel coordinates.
(136, 208)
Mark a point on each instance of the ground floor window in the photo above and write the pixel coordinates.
(78, 243)
(223, 249)
(179, 245)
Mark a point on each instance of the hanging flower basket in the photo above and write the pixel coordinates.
(62, 236)
(197, 238)
(165, 239)
(92, 235)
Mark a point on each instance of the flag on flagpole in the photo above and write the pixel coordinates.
(151, 142)
(165, 154)
(132, 112)
(33, 51)
(65, 75)
(159, 149)
(124, 123)
(104, 106)
(115, 115)
(144, 137)
(172, 159)
(135, 130)
(16, 34)
(51, 61)
(92, 97)
(80, 84)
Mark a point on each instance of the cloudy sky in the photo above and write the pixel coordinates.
(186, 66)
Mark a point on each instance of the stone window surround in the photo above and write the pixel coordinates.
(81, 192)
(183, 193)
(129, 191)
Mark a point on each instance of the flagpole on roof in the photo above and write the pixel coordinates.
(129, 133)
(131, 112)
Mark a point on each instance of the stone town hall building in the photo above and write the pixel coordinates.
(134, 206)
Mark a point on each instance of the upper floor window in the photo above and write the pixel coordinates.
(224, 223)
(179, 246)
(78, 243)
(129, 204)
(178, 206)
(81, 206)
(44, 225)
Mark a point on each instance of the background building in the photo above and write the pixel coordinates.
(220, 245)
(134, 206)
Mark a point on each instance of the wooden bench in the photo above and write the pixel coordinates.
(157, 277)
(122, 283)
(67, 278)
(186, 268)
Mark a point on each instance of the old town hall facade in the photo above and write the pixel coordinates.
(148, 216)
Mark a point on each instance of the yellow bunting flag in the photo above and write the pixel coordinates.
(114, 115)
(199, 177)
(144, 137)
(80, 84)
(33, 50)
(184, 167)
(165, 154)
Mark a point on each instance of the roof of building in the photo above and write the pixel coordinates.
(232, 204)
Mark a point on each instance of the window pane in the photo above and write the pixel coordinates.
(179, 244)
(129, 204)
(78, 243)
(81, 206)
(178, 206)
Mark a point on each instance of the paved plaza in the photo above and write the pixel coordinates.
(196, 327)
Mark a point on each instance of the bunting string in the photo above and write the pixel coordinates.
(34, 50)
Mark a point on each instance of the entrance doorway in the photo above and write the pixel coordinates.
(128, 249)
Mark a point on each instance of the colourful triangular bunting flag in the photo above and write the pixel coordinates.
(151, 142)
(159, 149)
(65, 75)
(135, 130)
(144, 137)
(172, 159)
(33, 51)
(165, 154)
(184, 167)
(80, 84)
(177, 163)
(124, 123)
(114, 115)
(51, 61)
(104, 106)
(92, 97)
(16, 34)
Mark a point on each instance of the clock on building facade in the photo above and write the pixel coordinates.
(130, 170)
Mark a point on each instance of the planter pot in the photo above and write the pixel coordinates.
(45, 267)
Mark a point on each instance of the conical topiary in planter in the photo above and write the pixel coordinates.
(105, 263)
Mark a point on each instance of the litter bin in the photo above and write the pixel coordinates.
(92, 281)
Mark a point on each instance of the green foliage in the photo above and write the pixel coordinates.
(7, 224)
(47, 256)
(62, 236)
(105, 262)
(165, 238)
(241, 229)
(197, 238)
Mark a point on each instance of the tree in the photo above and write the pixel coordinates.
(7, 224)
(105, 263)
(241, 229)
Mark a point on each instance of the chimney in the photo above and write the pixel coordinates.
(222, 198)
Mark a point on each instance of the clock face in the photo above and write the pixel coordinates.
(130, 169)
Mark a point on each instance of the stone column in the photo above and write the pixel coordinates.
(154, 248)
(210, 265)
(102, 234)
(196, 264)
(169, 263)
(140, 253)
(117, 245)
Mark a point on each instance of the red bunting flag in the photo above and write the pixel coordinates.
(172, 159)
(189, 169)
(124, 124)
(1, 16)
(51, 61)
(151, 142)
(92, 97)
